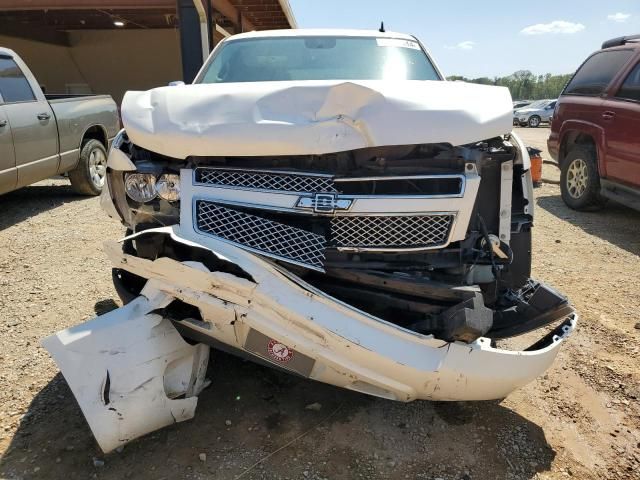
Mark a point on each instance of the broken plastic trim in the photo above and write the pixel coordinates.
(130, 370)
(345, 343)
(132, 373)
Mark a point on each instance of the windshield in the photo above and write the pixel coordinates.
(318, 58)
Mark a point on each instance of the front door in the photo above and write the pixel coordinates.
(33, 126)
(621, 114)
(8, 173)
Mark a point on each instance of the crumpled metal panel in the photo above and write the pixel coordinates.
(312, 117)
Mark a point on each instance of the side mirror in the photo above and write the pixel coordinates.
(176, 83)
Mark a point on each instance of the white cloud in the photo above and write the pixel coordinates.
(557, 26)
(466, 45)
(619, 17)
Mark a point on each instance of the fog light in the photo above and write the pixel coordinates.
(168, 187)
(141, 187)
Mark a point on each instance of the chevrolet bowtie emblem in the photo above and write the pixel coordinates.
(324, 203)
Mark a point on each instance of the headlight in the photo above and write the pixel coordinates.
(168, 187)
(141, 187)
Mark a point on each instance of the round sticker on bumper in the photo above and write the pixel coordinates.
(279, 351)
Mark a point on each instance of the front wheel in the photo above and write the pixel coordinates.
(579, 179)
(534, 121)
(88, 176)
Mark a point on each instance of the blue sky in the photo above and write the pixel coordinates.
(487, 38)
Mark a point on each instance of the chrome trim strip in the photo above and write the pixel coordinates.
(401, 177)
(40, 160)
(400, 197)
(69, 151)
(337, 214)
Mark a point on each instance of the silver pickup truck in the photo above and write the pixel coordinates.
(46, 135)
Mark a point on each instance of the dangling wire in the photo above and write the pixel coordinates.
(487, 239)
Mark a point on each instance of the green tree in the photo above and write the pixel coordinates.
(524, 85)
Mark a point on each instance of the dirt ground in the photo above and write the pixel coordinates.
(581, 420)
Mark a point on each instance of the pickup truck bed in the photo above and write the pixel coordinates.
(45, 135)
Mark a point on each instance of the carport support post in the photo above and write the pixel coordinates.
(210, 25)
(194, 36)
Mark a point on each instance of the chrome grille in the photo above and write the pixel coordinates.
(391, 232)
(258, 180)
(261, 235)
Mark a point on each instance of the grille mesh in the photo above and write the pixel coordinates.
(391, 232)
(265, 236)
(287, 182)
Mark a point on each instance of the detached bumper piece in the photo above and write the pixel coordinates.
(130, 371)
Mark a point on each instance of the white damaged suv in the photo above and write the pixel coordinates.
(326, 202)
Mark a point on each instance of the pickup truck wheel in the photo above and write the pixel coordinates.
(88, 176)
(534, 121)
(579, 179)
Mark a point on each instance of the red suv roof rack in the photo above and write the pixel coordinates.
(618, 41)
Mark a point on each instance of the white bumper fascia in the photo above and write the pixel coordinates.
(344, 346)
(126, 368)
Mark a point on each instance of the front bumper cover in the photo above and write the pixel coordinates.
(270, 315)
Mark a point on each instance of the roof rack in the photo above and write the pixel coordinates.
(619, 41)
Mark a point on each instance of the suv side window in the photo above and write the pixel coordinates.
(630, 89)
(596, 73)
(14, 86)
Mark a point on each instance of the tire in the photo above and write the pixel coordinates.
(579, 179)
(534, 121)
(89, 175)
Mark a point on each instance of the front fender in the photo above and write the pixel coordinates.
(577, 126)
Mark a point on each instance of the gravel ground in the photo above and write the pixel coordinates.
(581, 420)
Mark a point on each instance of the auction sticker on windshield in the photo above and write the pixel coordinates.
(397, 42)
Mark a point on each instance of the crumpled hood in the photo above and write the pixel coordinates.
(312, 117)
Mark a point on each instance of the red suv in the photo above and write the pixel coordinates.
(595, 131)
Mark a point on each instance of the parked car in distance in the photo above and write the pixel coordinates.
(534, 114)
(595, 133)
(520, 104)
(46, 135)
